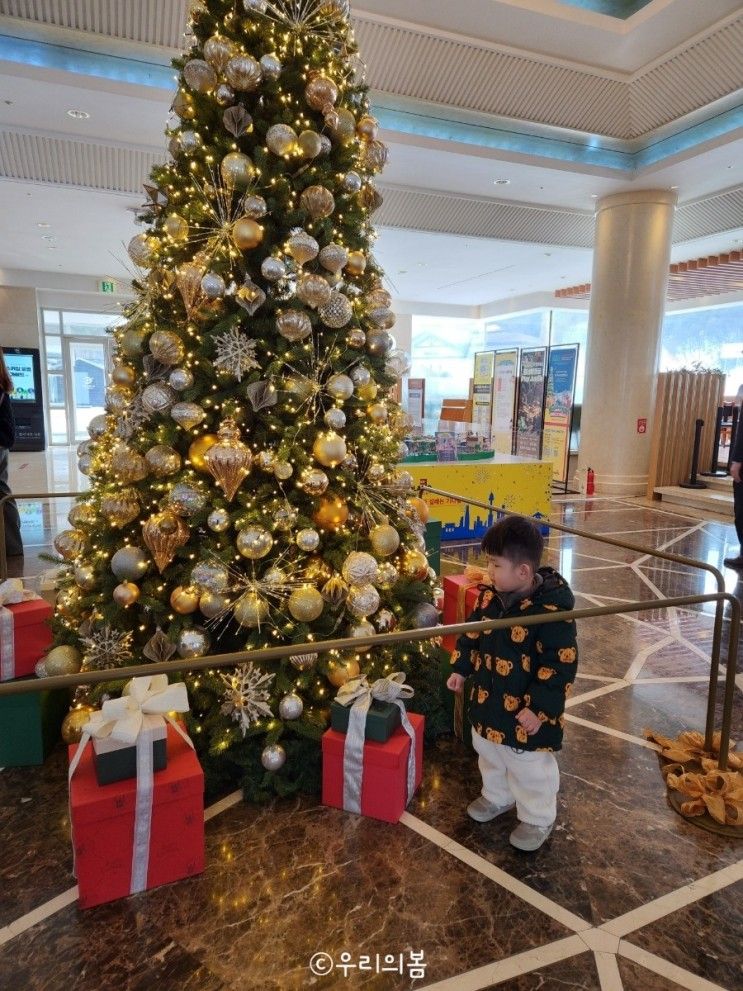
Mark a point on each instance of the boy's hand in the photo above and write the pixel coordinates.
(455, 682)
(530, 721)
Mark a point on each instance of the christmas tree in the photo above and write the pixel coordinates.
(244, 490)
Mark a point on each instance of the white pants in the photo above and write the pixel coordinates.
(528, 778)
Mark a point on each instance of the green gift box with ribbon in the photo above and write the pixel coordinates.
(30, 725)
(382, 720)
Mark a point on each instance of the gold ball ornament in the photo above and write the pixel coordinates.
(236, 170)
(255, 207)
(251, 610)
(198, 449)
(129, 562)
(379, 343)
(118, 397)
(362, 600)
(314, 481)
(163, 460)
(167, 347)
(120, 507)
(70, 544)
(212, 604)
(63, 660)
(329, 449)
(128, 466)
(387, 575)
(283, 470)
(294, 325)
(313, 290)
(229, 460)
(82, 514)
(342, 670)
(183, 105)
(356, 264)
(331, 513)
(340, 387)
(243, 74)
(246, 233)
(363, 628)
(126, 594)
(141, 248)
(176, 227)
(308, 540)
(317, 201)
(342, 125)
(132, 340)
(218, 520)
(68, 602)
(85, 577)
(337, 312)
(199, 75)
(374, 155)
(305, 604)
(124, 375)
(356, 338)
(281, 139)
(418, 509)
(359, 568)
(378, 298)
(185, 599)
(218, 51)
(377, 413)
(415, 565)
(384, 540)
(367, 128)
(310, 144)
(320, 92)
(73, 722)
(158, 397)
(254, 542)
(368, 391)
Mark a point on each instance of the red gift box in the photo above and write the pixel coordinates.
(103, 825)
(460, 598)
(384, 785)
(32, 638)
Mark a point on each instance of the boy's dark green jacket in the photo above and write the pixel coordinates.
(520, 666)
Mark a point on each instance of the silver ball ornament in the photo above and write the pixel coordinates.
(273, 269)
(308, 540)
(361, 629)
(271, 67)
(186, 500)
(340, 387)
(180, 379)
(362, 600)
(359, 568)
(218, 520)
(335, 419)
(273, 757)
(254, 542)
(130, 563)
(212, 577)
(193, 642)
(422, 616)
(291, 706)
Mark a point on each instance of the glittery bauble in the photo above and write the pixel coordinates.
(415, 565)
(97, 426)
(403, 480)
(254, 542)
(273, 269)
(310, 144)
(254, 6)
(384, 540)
(187, 415)
(359, 568)
(331, 513)
(385, 319)
(128, 466)
(387, 575)
(118, 397)
(342, 670)
(193, 643)
(335, 419)
(340, 387)
(251, 610)
(163, 533)
(236, 170)
(377, 413)
(73, 722)
(82, 514)
(213, 577)
(213, 605)
(285, 518)
(337, 312)
(368, 391)
(130, 563)
(120, 507)
(132, 340)
(70, 544)
(218, 51)
(356, 338)
(294, 325)
(125, 594)
(320, 91)
(378, 343)
(243, 74)
(167, 347)
(303, 662)
(351, 183)
(189, 141)
(158, 397)
(224, 95)
(124, 375)
(246, 233)
(368, 128)
(281, 139)
(140, 250)
(273, 757)
(180, 379)
(314, 482)
(302, 247)
(308, 540)
(229, 460)
(350, 464)
(213, 285)
(361, 629)
(291, 706)
(271, 66)
(313, 290)
(317, 201)
(198, 449)
(305, 604)
(85, 577)
(218, 520)
(342, 125)
(374, 155)
(378, 297)
(418, 509)
(421, 616)
(362, 600)
(283, 470)
(385, 621)
(360, 375)
(329, 449)
(64, 659)
(186, 500)
(333, 257)
(199, 75)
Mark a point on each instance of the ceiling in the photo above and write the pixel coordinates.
(652, 99)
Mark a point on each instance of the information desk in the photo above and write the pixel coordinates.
(504, 482)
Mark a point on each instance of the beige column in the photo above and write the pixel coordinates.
(628, 295)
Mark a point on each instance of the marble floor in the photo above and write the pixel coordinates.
(625, 895)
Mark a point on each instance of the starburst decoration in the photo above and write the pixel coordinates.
(107, 648)
(236, 353)
(246, 695)
(318, 18)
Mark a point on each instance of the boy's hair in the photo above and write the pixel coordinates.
(515, 538)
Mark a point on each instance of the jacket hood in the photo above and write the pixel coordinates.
(553, 590)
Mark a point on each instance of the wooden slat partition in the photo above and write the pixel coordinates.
(682, 398)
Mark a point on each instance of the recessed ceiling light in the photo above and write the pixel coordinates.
(52, 247)
(43, 225)
(47, 237)
(78, 114)
(594, 196)
(674, 187)
(501, 182)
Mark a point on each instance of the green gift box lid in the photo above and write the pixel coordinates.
(382, 720)
(30, 725)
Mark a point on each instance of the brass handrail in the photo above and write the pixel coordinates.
(25, 495)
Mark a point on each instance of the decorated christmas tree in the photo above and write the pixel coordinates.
(243, 483)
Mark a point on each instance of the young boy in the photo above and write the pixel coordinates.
(521, 678)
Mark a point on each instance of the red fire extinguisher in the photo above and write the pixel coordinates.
(590, 482)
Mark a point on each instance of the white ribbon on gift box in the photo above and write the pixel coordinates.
(11, 593)
(358, 693)
(122, 719)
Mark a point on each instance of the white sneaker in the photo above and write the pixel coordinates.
(481, 810)
(529, 838)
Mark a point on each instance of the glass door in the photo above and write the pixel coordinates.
(87, 364)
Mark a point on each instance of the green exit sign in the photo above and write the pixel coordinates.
(107, 285)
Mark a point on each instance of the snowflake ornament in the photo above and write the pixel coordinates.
(246, 695)
(235, 353)
(107, 648)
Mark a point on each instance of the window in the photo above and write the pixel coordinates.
(443, 352)
(710, 336)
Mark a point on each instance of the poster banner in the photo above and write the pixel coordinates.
(482, 389)
(504, 399)
(416, 400)
(558, 408)
(530, 404)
